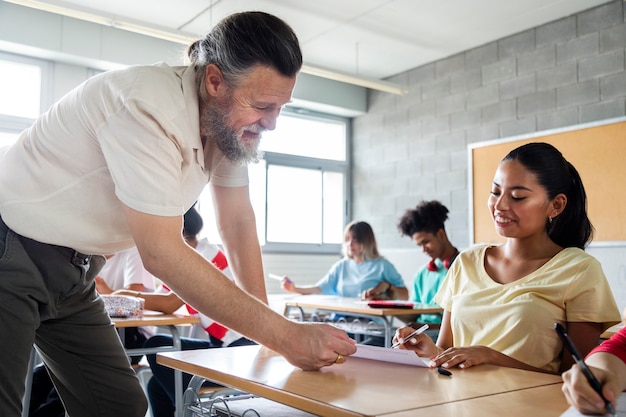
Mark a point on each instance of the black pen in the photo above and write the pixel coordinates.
(444, 371)
(595, 384)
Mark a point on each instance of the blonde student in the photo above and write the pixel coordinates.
(362, 272)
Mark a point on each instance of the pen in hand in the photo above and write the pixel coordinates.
(406, 339)
(278, 277)
(595, 384)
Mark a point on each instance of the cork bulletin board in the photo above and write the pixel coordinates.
(598, 151)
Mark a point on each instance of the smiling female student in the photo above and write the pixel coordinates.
(501, 301)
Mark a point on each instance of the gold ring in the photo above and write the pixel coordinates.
(340, 359)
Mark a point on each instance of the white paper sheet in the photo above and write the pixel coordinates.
(377, 353)
(620, 411)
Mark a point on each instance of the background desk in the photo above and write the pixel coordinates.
(357, 308)
(612, 330)
(359, 387)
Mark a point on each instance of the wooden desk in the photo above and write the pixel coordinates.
(153, 318)
(359, 387)
(545, 401)
(357, 308)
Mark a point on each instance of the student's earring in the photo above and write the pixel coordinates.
(550, 219)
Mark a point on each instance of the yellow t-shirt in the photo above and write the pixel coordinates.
(518, 318)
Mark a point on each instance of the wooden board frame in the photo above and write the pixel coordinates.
(597, 150)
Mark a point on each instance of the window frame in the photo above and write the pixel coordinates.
(16, 124)
(323, 165)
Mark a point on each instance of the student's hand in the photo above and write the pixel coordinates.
(379, 292)
(102, 287)
(311, 346)
(585, 399)
(288, 285)
(421, 344)
(129, 293)
(464, 357)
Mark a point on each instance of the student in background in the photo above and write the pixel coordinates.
(501, 301)
(161, 392)
(362, 272)
(608, 364)
(124, 270)
(425, 226)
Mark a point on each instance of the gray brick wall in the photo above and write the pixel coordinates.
(414, 147)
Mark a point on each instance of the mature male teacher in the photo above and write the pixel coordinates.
(116, 163)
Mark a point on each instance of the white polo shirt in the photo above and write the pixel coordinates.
(124, 269)
(129, 136)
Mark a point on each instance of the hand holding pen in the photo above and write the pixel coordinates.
(411, 338)
(595, 384)
(403, 340)
(286, 283)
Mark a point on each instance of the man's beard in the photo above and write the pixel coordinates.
(214, 126)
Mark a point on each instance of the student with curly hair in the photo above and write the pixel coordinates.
(424, 224)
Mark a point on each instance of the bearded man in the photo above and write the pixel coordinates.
(116, 163)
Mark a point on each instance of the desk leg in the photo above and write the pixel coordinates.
(288, 308)
(29, 383)
(388, 330)
(194, 387)
(178, 375)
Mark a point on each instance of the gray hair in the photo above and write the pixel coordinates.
(241, 41)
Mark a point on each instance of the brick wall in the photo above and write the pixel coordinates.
(414, 147)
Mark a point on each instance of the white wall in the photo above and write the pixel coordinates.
(304, 269)
(613, 260)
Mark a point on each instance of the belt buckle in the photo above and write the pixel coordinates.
(79, 259)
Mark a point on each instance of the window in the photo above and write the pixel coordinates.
(299, 190)
(22, 98)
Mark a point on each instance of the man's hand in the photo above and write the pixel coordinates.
(311, 346)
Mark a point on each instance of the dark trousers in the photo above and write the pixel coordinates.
(44, 398)
(48, 298)
(161, 392)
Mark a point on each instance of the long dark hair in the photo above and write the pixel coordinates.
(572, 227)
(192, 224)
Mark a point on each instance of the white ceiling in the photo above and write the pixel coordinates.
(369, 38)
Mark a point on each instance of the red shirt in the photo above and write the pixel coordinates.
(616, 345)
